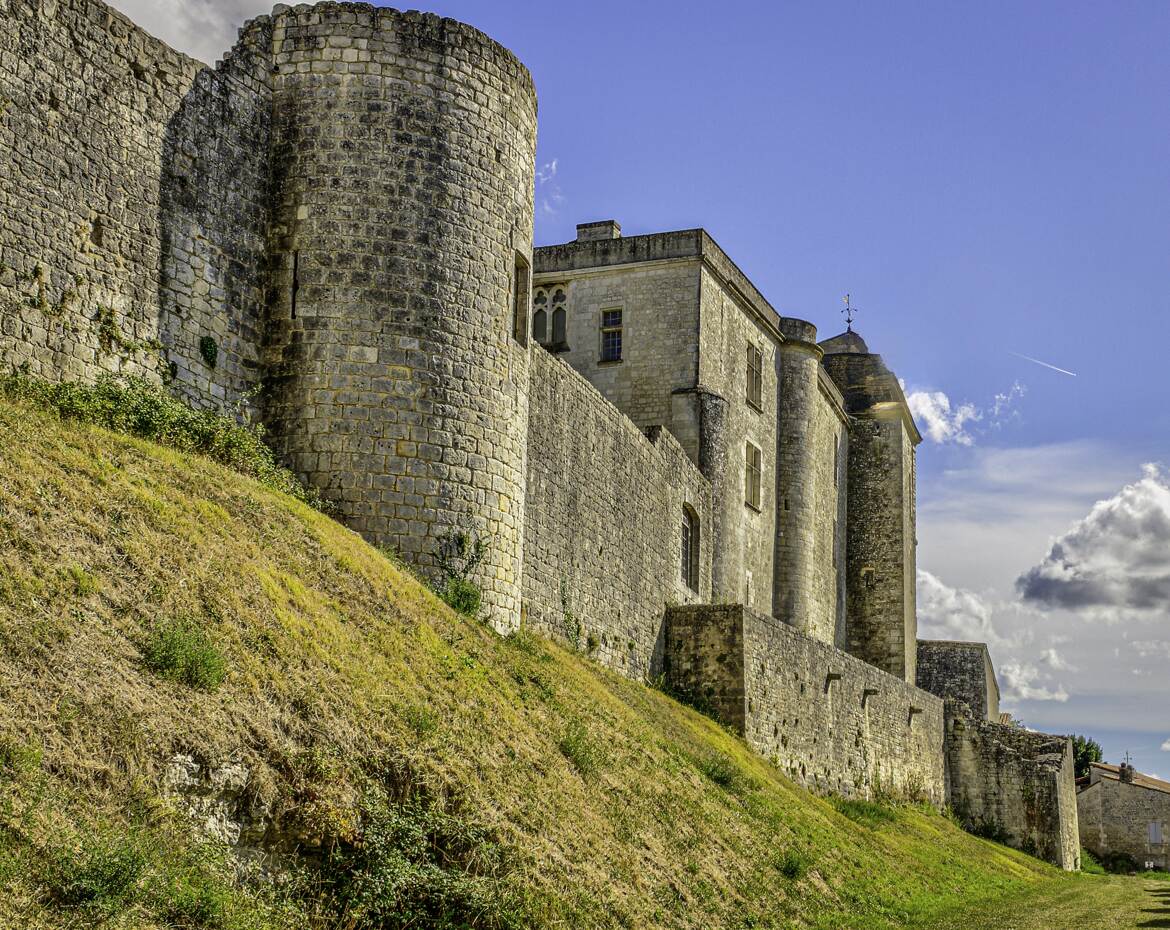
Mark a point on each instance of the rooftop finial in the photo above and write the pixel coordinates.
(849, 312)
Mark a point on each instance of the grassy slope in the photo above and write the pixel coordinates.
(340, 665)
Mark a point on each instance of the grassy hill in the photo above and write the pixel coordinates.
(410, 767)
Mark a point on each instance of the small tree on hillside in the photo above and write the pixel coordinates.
(1085, 750)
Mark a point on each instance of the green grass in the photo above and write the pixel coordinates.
(182, 651)
(423, 766)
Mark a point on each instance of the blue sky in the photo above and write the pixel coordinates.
(986, 179)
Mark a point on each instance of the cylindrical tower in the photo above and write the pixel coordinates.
(794, 574)
(403, 159)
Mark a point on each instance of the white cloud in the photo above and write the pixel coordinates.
(940, 421)
(943, 421)
(1114, 559)
(204, 29)
(1054, 660)
(952, 613)
(1003, 406)
(548, 192)
(1022, 681)
(1166, 746)
(1152, 647)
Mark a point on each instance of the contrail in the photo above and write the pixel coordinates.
(1028, 358)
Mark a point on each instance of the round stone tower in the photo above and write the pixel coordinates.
(397, 363)
(798, 359)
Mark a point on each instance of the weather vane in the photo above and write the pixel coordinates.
(849, 312)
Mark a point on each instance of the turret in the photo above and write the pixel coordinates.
(881, 540)
(798, 361)
(404, 150)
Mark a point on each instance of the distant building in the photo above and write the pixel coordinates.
(1122, 811)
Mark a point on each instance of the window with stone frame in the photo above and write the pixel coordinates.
(755, 376)
(611, 335)
(520, 300)
(690, 549)
(540, 315)
(1155, 833)
(560, 339)
(753, 475)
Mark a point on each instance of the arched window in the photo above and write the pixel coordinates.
(540, 325)
(558, 332)
(690, 548)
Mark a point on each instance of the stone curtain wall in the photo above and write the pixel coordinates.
(829, 720)
(131, 201)
(404, 160)
(603, 523)
(961, 672)
(1014, 785)
(214, 221)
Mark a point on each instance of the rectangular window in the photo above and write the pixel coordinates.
(755, 377)
(753, 474)
(611, 335)
(1155, 833)
(520, 300)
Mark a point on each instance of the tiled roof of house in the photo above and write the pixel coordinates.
(1142, 781)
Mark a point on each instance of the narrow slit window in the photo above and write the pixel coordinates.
(690, 549)
(836, 460)
(755, 376)
(753, 475)
(611, 335)
(520, 300)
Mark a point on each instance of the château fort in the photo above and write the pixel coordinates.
(331, 232)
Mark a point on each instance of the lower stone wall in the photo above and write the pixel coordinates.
(829, 720)
(1013, 785)
(603, 522)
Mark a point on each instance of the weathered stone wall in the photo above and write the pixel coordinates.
(811, 455)
(404, 150)
(746, 534)
(603, 523)
(1014, 785)
(831, 721)
(881, 536)
(660, 321)
(1115, 817)
(961, 672)
(133, 198)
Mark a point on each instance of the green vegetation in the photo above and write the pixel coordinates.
(182, 651)
(1085, 751)
(133, 406)
(408, 767)
(459, 554)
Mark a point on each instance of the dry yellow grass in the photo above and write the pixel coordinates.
(342, 667)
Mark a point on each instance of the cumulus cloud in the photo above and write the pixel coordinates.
(1023, 681)
(952, 613)
(941, 421)
(944, 421)
(1166, 746)
(1118, 556)
(204, 29)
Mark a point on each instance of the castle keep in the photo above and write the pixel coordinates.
(331, 233)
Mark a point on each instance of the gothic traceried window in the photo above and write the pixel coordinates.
(540, 316)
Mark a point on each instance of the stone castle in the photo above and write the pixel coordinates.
(331, 232)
